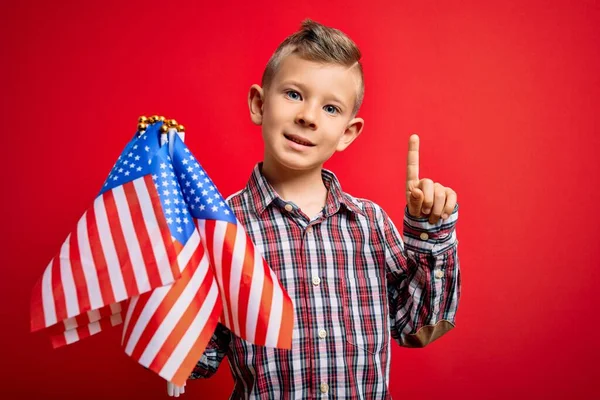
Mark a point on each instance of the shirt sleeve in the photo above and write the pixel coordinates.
(423, 278)
(213, 355)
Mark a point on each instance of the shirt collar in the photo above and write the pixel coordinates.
(262, 193)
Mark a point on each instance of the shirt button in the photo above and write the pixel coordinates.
(423, 236)
(439, 274)
(324, 387)
(322, 333)
(288, 207)
(316, 280)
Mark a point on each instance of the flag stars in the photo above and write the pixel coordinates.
(215, 208)
(195, 177)
(163, 165)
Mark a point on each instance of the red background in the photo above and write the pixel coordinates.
(504, 95)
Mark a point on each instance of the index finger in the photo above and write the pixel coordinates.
(412, 167)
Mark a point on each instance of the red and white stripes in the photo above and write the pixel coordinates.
(120, 248)
(255, 306)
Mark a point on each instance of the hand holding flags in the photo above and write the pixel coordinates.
(161, 243)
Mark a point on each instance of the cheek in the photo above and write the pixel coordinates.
(279, 111)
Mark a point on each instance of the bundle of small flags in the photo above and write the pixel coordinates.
(160, 252)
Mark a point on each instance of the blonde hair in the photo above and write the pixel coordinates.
(319, 43)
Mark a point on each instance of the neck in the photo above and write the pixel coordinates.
(304, 188)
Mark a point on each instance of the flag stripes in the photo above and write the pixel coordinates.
(243, 274)
(110, 267)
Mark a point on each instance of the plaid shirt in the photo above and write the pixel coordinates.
(354, 284)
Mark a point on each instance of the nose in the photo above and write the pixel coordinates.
(306, 117)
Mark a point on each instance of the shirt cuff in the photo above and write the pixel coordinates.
(422, 237)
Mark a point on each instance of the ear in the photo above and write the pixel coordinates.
(255, 103)
(354, 128)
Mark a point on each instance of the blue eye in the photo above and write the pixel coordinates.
(292, 94)
(331, 109)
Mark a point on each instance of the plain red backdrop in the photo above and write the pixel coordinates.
(505, 96)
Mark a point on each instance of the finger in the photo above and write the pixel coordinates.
(412, 161)
(451, 200)
(170, 389)
(439, 201)
(426, 185)
(415, 202)
(182, 389)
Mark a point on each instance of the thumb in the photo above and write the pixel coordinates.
(415, 201)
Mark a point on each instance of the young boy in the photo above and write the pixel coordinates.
(351, 277)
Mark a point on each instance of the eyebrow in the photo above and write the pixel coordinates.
(303, 87)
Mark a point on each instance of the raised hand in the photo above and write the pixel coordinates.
(424, 196)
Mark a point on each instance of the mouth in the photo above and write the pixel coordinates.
(299, 140)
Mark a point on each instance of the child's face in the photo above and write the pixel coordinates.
(308, 102)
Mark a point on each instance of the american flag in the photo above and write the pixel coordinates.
(214, 272)
(225, 279)
(122, 246)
